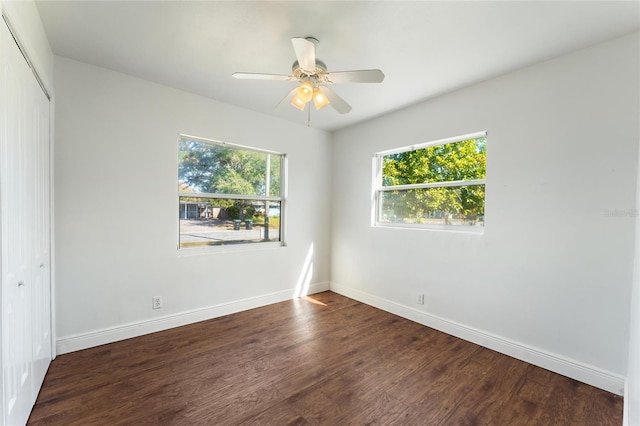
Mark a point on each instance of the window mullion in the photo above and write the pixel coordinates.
(228, 196)
(432, 185)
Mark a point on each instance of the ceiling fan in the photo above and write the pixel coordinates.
(313, 77)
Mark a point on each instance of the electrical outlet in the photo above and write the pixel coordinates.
(156, 302)
(420, 299)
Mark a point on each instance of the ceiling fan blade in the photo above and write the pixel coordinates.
(286, 101)
(359, 76)
(256, 76)
(305, 53)
(336, 101)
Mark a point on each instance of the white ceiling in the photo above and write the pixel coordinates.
(425, 48)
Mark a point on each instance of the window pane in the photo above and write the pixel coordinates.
(464, 160)
(213, 221)
(274, 183)
(212, 168)
(458, 205)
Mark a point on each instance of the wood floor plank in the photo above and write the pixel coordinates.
(279, 414)
(484, 390)
(319, 360)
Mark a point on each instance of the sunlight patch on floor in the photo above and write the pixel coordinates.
(314, 301)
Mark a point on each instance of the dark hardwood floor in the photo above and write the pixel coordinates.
(325, 359)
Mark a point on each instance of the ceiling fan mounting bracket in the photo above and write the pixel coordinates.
(312, 40)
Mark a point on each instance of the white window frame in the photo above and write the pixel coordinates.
(378, 188)
(282, 199)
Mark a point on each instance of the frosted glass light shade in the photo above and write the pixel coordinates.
(320, 100)
(298, 103)
(305, 92)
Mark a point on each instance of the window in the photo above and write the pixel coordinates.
(437, 185)
(228, 194)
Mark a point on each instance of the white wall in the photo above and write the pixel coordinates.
(632, 395)
(116, 208)
(550, 279)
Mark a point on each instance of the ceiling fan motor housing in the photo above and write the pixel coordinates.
(319, 75)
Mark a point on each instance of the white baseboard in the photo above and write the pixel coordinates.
(588, 374)
(127, 331)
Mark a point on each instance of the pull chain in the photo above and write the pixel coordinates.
(309, 116)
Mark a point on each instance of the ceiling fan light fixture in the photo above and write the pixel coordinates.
(298, 103)
(320, 100)
(305, 92)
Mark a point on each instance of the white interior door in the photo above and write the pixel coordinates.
(41, 287)
(24, 215)
(16, 330)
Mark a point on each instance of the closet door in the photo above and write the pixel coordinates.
(26, 350)
(40, 202)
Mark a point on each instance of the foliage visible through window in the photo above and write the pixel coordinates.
(436, 185)
(228, 194)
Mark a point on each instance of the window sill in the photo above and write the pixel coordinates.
(458, 229)
(229, 248)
